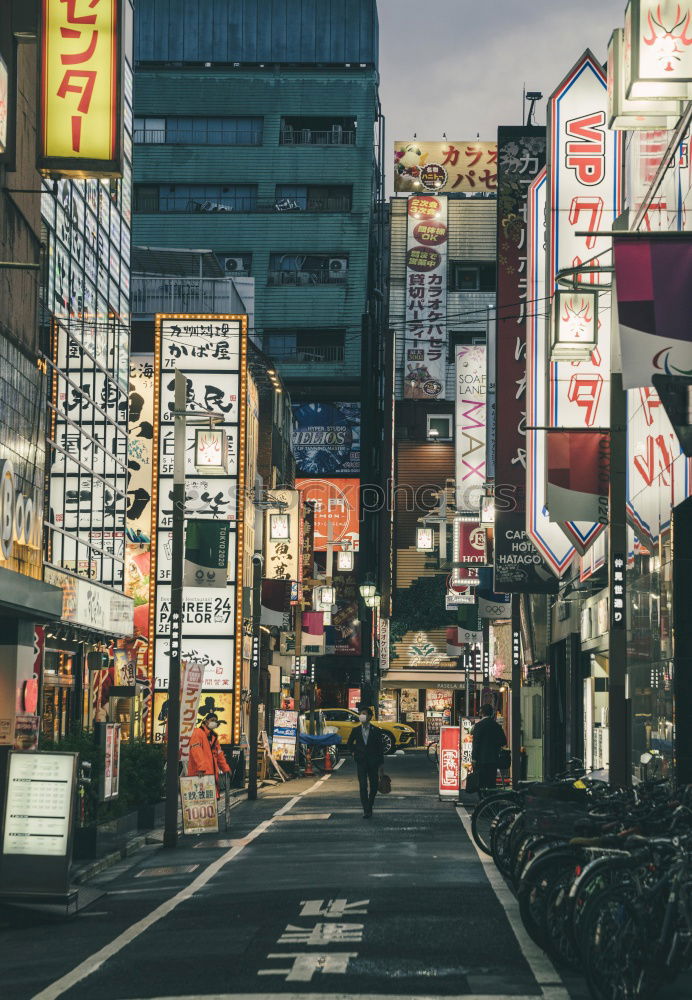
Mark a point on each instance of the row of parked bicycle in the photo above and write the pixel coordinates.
(603, 876)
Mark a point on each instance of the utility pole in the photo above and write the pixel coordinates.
(618, 727)
(170, 835)
(515, 713)
(253, 736)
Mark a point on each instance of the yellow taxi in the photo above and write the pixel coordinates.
(395, 735)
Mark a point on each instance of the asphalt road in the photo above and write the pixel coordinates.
(305, 900)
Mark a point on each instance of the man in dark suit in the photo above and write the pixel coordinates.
(488, 740)
(366, 743)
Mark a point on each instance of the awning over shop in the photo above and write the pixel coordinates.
(21, 595)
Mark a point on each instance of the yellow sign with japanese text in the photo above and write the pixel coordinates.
(445, 167)
(81, 69)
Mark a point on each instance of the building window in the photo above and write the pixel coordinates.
(304, 131)
(195, 198)
(307, 269)
(472, 276)
(313, 198)
(305, 347)
(226, 131)
(236, 265)
(439, 427)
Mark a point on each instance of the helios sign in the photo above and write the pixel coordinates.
(81, 78)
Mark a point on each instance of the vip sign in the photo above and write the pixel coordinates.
(80, 132)
(470, 410)
(657, 473)
(425, 342)
(584, 196)
(547, 536)
(658, 49)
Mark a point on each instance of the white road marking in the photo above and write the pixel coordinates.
(543, 970)
(339, 996)
(95, 961)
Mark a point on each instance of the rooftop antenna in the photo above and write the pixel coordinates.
(533, 97)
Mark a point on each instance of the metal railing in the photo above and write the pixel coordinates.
(317, 355)
(159, 204)
(152, 295)
(313, 137)
(301, 279)
(198, 137)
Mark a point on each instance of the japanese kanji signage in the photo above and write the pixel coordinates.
(584, 197)
(210, 350)
(470, 410)
(547, 536)
(425, 342)
(80, 132)
(518, 565)
(618, 570)
(282, 549)
(452, 167)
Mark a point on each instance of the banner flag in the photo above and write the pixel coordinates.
(654, 293)
(206, 553)
(578, 476)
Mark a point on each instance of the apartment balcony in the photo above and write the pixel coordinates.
(331, 354)
(310, 137)
(151, 295)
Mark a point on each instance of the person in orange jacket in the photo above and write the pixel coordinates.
(206, 755)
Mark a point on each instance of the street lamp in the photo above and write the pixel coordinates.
(425, 538)
(367, 589)
(208, 454)
(574, 330)
(345, 560)
(373, 601)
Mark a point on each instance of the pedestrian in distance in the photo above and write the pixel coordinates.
(206, 755)
(366, 743)
(488, 739)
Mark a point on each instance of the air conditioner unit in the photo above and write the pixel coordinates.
(338, 268)
(232, 265)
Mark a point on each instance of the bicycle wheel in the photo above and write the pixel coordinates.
(483, 816)
(601, 875)
(334, 754)
(535, 887)
(616, 949)
(556, 935)
(500, 832)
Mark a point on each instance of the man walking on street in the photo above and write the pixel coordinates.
(488, 740)
(366, 742)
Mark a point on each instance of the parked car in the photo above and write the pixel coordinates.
(395, 735)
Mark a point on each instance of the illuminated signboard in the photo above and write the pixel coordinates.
(211, 350)
(445, 166)
(81, 88)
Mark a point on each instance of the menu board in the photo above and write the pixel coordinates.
(39, 804)
(199, 805)
(285, 735)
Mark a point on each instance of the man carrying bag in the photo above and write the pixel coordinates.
(488, 740)
(366, 743)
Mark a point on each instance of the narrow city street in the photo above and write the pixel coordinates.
(324, 903)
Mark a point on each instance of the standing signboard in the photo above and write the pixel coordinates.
(285, 735)
(518, 565)
(198, 797)
(448, 786)
(425, 342)
(38, 823)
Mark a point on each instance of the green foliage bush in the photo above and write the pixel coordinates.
(142, 769)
